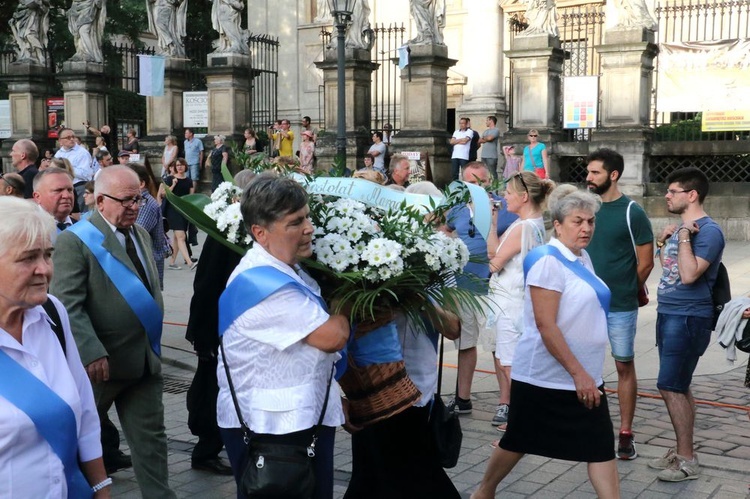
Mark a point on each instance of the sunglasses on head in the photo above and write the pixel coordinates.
(11, 182)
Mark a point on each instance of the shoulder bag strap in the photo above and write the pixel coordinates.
(630, 229)
(56, 326)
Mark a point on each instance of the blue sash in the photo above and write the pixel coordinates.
(602, 291)
(52, 416)
(126, 281)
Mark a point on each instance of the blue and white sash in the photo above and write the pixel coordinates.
(127, 282)
(601, 290)
(52, 416)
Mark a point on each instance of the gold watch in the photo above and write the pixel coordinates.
(660, 244)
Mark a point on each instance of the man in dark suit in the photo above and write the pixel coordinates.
(107, 279)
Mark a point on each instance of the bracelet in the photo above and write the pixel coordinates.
(684, 228)
(104, 483)
(683, 241)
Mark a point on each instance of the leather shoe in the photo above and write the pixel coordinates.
(215, 465)
(117, 462)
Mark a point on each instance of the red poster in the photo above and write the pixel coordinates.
(55, 116)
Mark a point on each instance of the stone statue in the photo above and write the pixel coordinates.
(359, 35)
(634, 14)
(429, 16)
(29, 26)
(225, 18)
(166, 20)
(542, 18)
(86, 23)
(323, 14)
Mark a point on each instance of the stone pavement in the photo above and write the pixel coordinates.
(722, 425)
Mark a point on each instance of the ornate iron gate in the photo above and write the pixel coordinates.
(264, 61)
(386, 90)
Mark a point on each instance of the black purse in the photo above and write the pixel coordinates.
(278, 466)
(445, 425)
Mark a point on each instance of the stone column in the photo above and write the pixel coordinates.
(358, 69)
(627, 57)
(84, 90)
(424, 96)
(164, 114)
(536, 69)
(485, 96)
(229, 79)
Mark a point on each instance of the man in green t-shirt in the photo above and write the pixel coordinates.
(623, 255)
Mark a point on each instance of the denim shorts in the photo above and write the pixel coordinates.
(681, 340)
(621, 327)
(195, 172)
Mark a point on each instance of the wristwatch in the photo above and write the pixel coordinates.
(659, 244)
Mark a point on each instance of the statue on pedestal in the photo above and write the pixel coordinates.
(29, 26)
(166, 20)
(86, 23)
(542, 18)
(429, 16)
(634, 14)
(359, 34)
(323, 12)
(225, 18)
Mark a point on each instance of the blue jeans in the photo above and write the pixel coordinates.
(456, 165)
(237, 453)
(681, 340)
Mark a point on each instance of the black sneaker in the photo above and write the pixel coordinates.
(626, 446)
(459, 406)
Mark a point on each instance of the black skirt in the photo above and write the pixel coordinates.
(555, 424)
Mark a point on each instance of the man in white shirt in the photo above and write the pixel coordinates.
(80, 160)
(461, 142)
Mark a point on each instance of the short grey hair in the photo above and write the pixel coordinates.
(396, 160)
(243, 178)
(270, 197)
(566, 198)
(110, 177)
(424, 187)
(52, 170)
(23, 224)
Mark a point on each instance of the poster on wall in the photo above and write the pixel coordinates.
(580, 101)
(724, 82)
(55, 116)
(5, 127)
(195, 109)
(725, 121)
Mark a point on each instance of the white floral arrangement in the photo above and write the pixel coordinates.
(224, 209)
(368, 258)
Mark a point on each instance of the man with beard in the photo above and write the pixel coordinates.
(622, 252)
(690, 257)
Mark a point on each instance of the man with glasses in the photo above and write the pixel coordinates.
(53, 192)
(690, 254)
(621, 250)
(23, 156)
(106, 277)
(12, 184)
(80, 160)
(377, 151)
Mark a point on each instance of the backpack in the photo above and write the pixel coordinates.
(51, 310)
(474, 145)
(721, 292)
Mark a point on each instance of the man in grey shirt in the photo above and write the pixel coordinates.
(489, 141)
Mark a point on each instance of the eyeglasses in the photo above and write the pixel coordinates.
(127, 202)
(66, 137)
(519, 176)
(530, 135)
(672, 192)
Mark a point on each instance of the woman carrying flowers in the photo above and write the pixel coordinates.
(279, 352)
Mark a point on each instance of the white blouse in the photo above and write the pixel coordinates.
(28, 465)
(279, 379)
(580, 317)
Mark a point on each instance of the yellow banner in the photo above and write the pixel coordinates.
(725, 121)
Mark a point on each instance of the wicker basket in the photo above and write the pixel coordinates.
(377, 391)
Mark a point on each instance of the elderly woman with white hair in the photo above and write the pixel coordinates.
(219, 157)
(559, 407)
(49, 428)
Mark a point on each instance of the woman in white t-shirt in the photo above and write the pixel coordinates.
(280, 352)
(169, 154)
(526, 195)
(559, 407)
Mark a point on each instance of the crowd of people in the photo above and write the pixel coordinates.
(550, 308)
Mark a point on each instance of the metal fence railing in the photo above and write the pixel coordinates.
(386, 88)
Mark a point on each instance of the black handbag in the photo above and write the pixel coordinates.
(278, 466)
(445, 425)
(743, 344)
